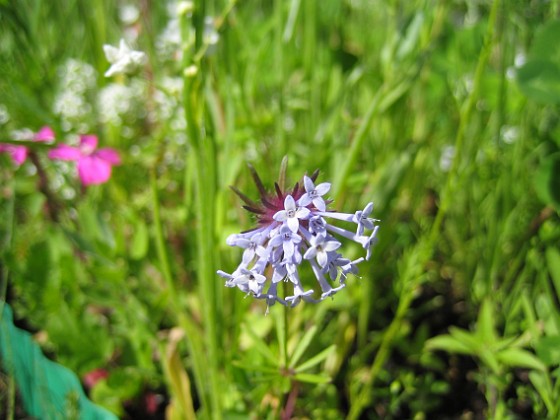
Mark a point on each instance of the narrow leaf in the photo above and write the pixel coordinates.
(280, 322)
(261, 346)
(485, 325)
(516, 357)
(313, 379)
(282, 174)
(318, 358)
(302, 345)
(449, 344)
(548, 350)
(553, 263)
(467, 338)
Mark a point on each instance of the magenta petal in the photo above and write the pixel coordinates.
(88, 143)
(44, 134)
(93, 170)
(65, 152)
(18, 153)
(110, 155)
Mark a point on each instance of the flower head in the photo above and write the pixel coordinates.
(94, 165)
(123, 59)
(293, 227)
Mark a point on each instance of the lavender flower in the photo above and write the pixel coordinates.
(294, 226)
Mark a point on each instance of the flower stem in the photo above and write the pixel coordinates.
(205, 177)
(291, 400)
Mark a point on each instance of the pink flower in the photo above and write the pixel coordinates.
(19, 153)
(94, 165)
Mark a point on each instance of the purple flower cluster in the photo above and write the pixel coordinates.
(295, 226)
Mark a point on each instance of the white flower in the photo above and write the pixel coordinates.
(123, 59)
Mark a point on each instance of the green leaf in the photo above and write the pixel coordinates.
(302, 345)
(548, 350)
(485, 325)
(449, 344)
(541, 382)
(410, 40)
(280, 322)
(540, 80)
(516, 357)
(489, 359)
(546, 45)
(547, 181)
(139, 246)
(467, 338)
(318, 358)
(553, 263)
(261, 346)
(312, 379)
(46, 388)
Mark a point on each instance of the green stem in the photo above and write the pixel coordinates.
(195, 348)
(279, 68)
(418, 256)
(205, 176)
(160, 241)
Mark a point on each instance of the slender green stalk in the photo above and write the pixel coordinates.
(418, 256)
(160, 241)
(195, 348)
(205, 179)
(279, 69)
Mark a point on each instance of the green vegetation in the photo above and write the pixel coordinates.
(443, 113)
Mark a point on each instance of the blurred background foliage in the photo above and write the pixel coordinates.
(444, 113)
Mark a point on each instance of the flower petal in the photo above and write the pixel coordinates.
(44, 134)
(310, 253)
(65, 152)
(93, 170)
(280, 215)
(331, 245)
(304, 200)
(18, 153)
(88, 143)
(322, 258)
(302, 213)
(293, 224)
(308, 183)
(323, 188)
(110, 155)
(319, 204)
(111, 53)
(289, 249)
(289, 203)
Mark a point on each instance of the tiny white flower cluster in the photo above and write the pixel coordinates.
(121, 104)
(71, 104)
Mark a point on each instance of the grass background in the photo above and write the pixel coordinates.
(435, 110)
